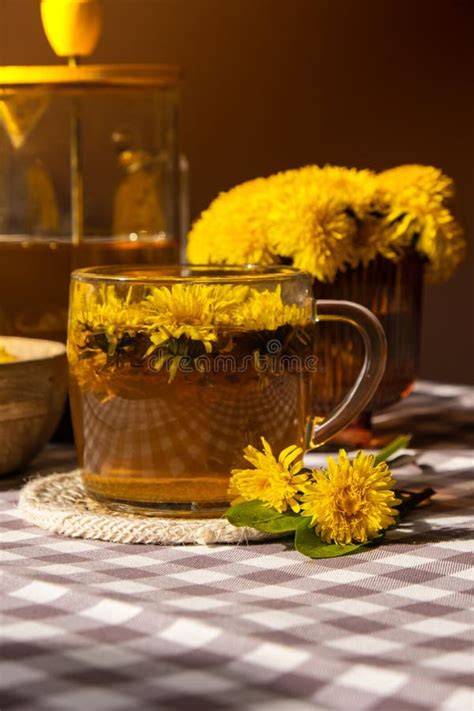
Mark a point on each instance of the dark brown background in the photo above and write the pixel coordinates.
(274, 84)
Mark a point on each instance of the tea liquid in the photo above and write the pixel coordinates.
(146, 442)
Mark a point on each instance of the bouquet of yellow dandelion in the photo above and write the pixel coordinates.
(324, 220)
(341, 509)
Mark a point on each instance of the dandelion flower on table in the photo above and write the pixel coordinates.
(351, 501)
(274, 482)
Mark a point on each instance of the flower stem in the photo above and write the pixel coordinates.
(398, 443)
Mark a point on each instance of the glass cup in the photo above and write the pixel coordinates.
(174, 370)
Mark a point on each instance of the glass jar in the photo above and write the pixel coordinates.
(90, 174)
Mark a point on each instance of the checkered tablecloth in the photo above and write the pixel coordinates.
(103, 627)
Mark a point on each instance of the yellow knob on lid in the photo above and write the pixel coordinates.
(72, 27)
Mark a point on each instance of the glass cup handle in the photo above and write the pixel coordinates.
(373, 367)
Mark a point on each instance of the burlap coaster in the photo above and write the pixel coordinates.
(58, 503)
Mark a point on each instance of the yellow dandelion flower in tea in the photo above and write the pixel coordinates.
(274, 482)
(102, 310)
(266, 311)
(351, 502)
(195, 311)
(90, 374)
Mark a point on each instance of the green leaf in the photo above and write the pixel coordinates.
(398, 443)
(256, 515)
(309, 544)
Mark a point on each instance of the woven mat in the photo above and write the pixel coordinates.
(58, 503)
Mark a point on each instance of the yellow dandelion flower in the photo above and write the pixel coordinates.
(309, 215)
(348, 223)
(358, 189)
(426, 179)
(102, 310)
(195, 311)
(419, 197)
(351, 502)
(326, 219)
(310, 223)
(266, 311)
(6, 357)
(232, 230)
(90, 374)
(299, 214)
(274, 482)
(365, 202)
(442, 241)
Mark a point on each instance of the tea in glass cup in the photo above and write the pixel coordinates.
(175, 370)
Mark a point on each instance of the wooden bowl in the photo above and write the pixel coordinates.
(32, 395)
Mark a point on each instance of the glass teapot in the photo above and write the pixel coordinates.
(90, 170)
